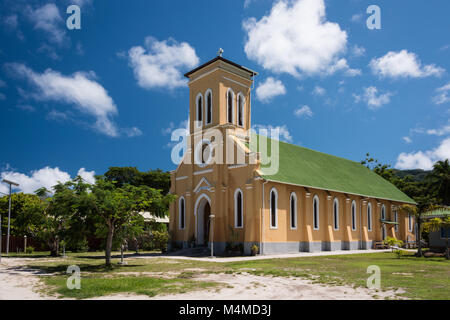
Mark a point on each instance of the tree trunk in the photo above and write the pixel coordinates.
(419, 234)
(109, 241)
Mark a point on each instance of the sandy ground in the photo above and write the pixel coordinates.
(19, 283)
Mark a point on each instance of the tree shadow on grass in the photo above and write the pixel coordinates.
(62, 268)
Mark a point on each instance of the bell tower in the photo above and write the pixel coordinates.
(219, 95)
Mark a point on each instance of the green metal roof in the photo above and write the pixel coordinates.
(309, 168)
(437, 213)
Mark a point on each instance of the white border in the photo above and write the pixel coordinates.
(276, 208)
(293, 195)
(336, 214)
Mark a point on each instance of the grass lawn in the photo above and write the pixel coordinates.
(420, 278)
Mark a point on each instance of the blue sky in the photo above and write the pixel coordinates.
(79, 101)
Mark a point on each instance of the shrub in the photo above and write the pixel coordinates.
(159, 240)
(29, 250)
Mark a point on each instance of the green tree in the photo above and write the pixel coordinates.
(156, 179)
(120, 206)
(440, 179)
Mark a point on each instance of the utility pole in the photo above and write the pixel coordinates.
(9, 212)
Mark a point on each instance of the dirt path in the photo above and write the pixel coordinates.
(19, 283)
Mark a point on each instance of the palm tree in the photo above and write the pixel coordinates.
(441, 176)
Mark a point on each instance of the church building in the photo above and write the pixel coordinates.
(227, 194)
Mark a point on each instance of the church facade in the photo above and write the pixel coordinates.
(227, 193)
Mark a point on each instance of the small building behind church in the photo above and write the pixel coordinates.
(312, 202)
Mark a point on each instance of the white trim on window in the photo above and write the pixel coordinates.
(198, 115)
(236, 193)
(410, 224)
(239, 111)
(396, 220)
(336, 214)
(383, 212)
(230, 91)
(293, 221)
(182, 213)
(209, 91)
(316, 213)
(369, 217)
(353, 213)
(275, 214)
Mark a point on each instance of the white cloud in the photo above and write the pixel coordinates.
(133, 132)
(407, 139)
(358, 51)
(318, 91)
(48, 19)
(445, 130)
(159, 63)
(442, 95)
(283, 131)
(88, 176)
(296, 38)
(46, 177)
(356, 17)
(303, 111)
(372, 98)
(270, 89)
(79, 89)
(403, 64)
(424, 160)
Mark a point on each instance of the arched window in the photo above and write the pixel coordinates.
(396, 220)
(369, 217)
(208, 98)
(410, 224)
(383, 232)
(238, 209)
(353, 215)
(293, 207)
(182, 215)
(230, 106)
(273, 208)
(199, 103)
(316, 212)
(240, 113)
(383, 212)
(336, 214)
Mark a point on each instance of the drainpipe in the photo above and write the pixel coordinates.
(262, 220)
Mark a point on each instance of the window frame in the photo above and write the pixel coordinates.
(275, 214)
(233, 106)
(410, 224)
(239, 111)
(182, 199)
(199, 122)
(396, 220)
(293, 196)
(208, 108)
(383, 212)
(236, 193)
(336, 214)
(353, 215)
(369, 217)
(316, 198)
